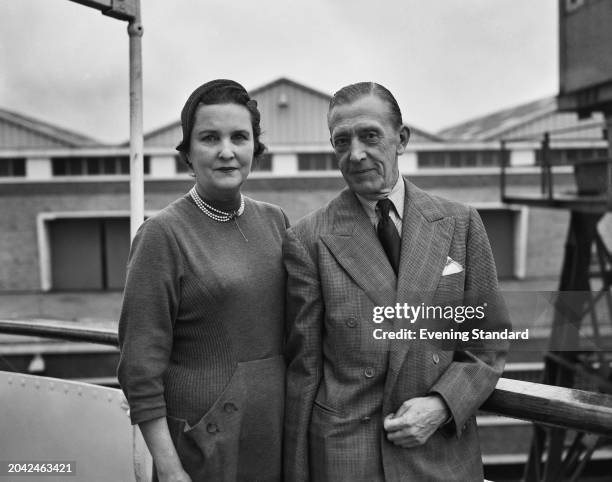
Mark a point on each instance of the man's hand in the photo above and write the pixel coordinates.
(415, 421)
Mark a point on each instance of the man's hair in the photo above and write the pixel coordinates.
(353, 92)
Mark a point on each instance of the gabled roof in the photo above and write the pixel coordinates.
(43, 130)
(493, 126)
(286, 81)
(302, 124)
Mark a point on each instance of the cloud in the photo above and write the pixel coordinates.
(445, 61)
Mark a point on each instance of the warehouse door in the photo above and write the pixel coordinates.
(500, 226)
(89, 254)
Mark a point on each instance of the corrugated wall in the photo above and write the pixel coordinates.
(167, 138)
(16, 137)
(302, 121)
(290, 116)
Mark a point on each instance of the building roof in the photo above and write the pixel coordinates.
(292, 114)
(527, 121)
(492, 126)
(20, 131)
(285, 81)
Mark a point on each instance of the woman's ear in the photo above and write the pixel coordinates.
(185, 158)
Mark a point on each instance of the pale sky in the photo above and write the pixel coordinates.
(445, 60)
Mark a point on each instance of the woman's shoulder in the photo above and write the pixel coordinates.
(168, 218)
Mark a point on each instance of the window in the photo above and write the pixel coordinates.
(569, 156)
(12, 167)
(317, 161)
(457, 159)
(92, 166)
(264, 163)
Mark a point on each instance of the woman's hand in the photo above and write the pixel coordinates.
(176, 476)
(167, 463)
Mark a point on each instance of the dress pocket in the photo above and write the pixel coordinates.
(239, 437)
(217, 433)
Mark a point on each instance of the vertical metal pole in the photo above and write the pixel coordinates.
(543, 155)
(608, 114)
(546, 158)
(502, 177)
(136, 135)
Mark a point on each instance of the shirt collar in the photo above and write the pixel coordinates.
(396, 196)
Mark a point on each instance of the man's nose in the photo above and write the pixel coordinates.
(357, 151)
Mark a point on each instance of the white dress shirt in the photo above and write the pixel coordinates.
(396, 196)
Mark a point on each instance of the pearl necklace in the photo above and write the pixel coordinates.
(213, 213)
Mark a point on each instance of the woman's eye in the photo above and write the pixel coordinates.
(208, 138)
(240, 137)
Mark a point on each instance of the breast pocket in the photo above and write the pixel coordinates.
(451, 286)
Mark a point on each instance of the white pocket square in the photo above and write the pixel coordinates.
(451, 267)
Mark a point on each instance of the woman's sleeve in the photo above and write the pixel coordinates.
(150, 304)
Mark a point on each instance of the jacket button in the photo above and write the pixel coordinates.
(436, 358)
(229, 407)
(351, 322)
(366, 419)
(212, 428)
(369, 372)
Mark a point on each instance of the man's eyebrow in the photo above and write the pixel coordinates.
(339, 131)
(368, 127)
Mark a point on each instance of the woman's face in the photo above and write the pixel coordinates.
(221, 149)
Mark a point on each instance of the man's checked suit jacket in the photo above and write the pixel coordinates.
(341, 382)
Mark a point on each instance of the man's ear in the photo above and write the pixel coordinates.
(404, 137)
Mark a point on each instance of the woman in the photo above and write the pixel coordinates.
(201, 324)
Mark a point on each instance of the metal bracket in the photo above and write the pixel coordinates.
(120, 9)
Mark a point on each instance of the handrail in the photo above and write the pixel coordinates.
(59, 329)
(549, 405)
(544, 404)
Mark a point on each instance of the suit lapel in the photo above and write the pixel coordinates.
(354, 244)
(426, 238)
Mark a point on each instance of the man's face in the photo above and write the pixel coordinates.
(367, 145)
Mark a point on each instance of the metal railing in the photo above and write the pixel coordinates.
(542, 404)
(593, 176)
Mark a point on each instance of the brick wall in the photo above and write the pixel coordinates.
(22, 202)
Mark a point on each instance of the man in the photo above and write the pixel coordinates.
(361, 408)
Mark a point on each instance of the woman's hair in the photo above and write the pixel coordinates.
(353, 92)
(219, 91)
